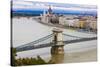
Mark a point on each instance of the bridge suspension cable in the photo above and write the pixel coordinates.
(80, 40)
(36, 41)
(31, 45)
(71, 35)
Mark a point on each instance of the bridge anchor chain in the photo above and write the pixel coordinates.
(57, 48)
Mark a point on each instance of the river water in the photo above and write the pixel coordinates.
(26, 30)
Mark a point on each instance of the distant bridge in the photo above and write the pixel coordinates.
(47, 42)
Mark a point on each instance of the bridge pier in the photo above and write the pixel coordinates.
(57, 48)
(57, 58)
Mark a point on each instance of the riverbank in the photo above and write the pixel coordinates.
(66, 27)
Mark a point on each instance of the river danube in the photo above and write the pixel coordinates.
(26, 30)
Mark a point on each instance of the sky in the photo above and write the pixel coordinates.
(29, 4)
(87, 2)
(68, 5)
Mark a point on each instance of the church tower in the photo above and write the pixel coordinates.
(50, 10)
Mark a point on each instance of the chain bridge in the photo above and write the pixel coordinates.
(50, 40)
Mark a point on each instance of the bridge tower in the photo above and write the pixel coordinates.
(57, 48)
